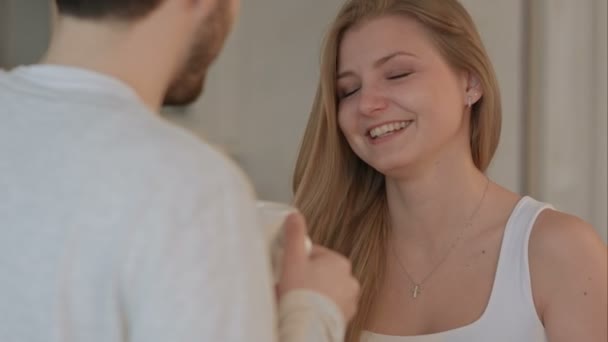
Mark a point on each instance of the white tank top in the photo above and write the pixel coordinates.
(511, 314)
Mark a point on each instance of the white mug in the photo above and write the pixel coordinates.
(271, 216)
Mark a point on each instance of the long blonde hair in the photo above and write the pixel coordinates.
(344, 199)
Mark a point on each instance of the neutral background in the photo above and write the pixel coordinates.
(550, 57)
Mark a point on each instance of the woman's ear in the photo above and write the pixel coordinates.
(202, 8)
(474, 90)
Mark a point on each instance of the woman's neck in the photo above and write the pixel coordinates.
(428, 208)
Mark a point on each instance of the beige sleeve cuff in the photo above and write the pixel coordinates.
(307, 316)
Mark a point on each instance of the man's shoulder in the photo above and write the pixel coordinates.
(188, 164)
(182, 152)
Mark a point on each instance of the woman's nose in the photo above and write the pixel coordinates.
(372, 101)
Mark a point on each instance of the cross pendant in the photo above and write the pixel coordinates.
(416, 291)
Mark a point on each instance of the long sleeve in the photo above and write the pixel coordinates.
(306, 316)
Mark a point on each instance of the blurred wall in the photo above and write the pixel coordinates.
(567, 127)
(24, 31)
(600, 177)
(3, 30)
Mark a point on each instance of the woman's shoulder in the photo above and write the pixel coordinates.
(564, 250)
(561, 235)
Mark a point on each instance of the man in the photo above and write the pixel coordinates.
(114, 225)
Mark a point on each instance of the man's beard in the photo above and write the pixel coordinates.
(188, 85)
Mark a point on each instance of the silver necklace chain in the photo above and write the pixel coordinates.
(417, 286)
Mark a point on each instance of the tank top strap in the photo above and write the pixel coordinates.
(513, 289)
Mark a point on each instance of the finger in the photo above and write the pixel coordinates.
(295, 241)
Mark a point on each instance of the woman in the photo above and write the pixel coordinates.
(391, 173)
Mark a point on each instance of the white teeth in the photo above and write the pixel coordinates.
(388, 128)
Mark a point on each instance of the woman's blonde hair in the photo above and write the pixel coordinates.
(344, 199)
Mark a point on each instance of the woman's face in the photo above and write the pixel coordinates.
(399, 102)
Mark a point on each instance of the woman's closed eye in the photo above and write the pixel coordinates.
(349, 91)
(342, 94)
(397, 76)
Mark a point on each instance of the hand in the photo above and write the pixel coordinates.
(323, 271)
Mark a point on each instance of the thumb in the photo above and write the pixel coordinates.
(294, 242)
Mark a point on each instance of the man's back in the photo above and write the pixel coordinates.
(116, 226)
